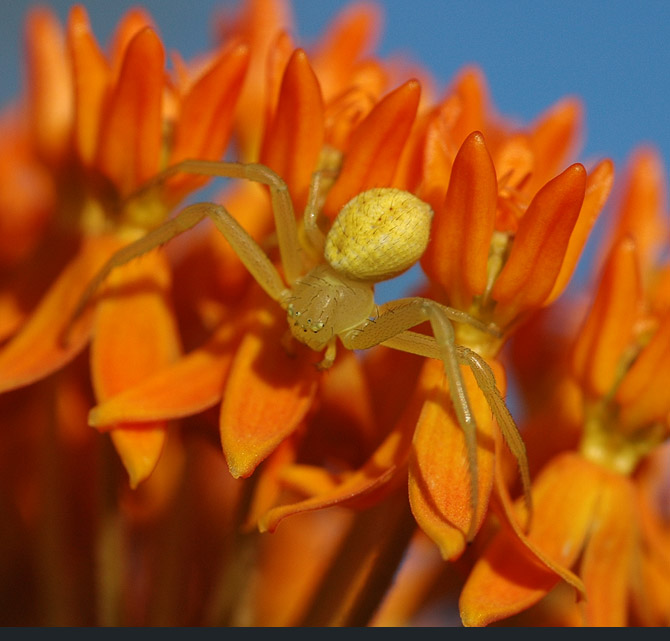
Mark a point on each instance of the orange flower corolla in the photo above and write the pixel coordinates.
(267, 392)
(491, 264)
(596, 508)
(96, 128)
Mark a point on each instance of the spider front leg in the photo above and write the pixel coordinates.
(252, 256)
(395, 318)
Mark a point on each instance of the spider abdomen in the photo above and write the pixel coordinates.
(378, 234)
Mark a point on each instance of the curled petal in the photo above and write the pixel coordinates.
(267, 395)
(457, 254)
(375, 146)
(439, 474)
(39, 349)
(132, 129)
(608, 328)
(530, 272)
(295, 137)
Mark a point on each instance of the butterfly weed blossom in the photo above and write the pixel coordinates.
(356, 470)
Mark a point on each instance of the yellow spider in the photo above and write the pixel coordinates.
(377, 235)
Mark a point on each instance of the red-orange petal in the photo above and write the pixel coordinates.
(540, 244)
(598, 187)
(267, 395)
(350, 35)
(294, 138)
(508, 578)
(376, 146)
(608, 328)
(554, 137)
(642, 213)
(135, 335)
(38, 349)
(130, 143)
(92, 78)
(458, 251)
(470, 94)
(206, 117)
(439, 473)
(608, 559)
(49, 84)
(190, 385)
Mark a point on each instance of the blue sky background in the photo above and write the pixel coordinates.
(614, 54)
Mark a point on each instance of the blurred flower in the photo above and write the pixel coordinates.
(93, 129)
(588, 508)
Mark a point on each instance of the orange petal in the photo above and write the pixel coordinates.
(258, 24)
(49, 84)
(294, 139)
(270, 484)
(598, 187)
(188, 386)
(139, 447)
(608, 558)
(375, 146)
(555, 137)
(439, 474)
(135, 335)
(38, 349)
(608, 329)
(457, 254)
(267, 395)
(349, 36)
(508, 577)
(642, 213)
(132, 131)
(540, 244)
(92, 77)
(471, 100)
(131, 23)
(643, 392)
(206, 117)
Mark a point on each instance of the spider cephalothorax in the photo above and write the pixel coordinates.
(328, 282)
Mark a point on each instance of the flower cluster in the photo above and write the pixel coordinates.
(236, 476)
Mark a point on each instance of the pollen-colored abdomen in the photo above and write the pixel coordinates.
(378, 234)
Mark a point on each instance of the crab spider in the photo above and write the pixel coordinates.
(329, 289)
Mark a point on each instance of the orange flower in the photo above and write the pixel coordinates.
(97, 125)
(587, 502)
(266, 393)
(532, 264)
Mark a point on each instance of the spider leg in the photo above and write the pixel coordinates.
(427, 346)
(395, 318)
(282, 205)
(251, 255)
